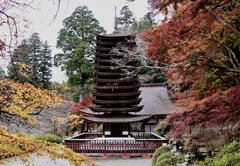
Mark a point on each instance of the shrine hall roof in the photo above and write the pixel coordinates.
(156, 100)
(116, 119)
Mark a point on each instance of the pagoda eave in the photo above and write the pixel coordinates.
(116, 80)
(103, 49)
(98, 54)
(97, 60)
(103, 67)
(109, 74)
(116, 102)
(127, 109)
(116, 94)
(136, 86)
(104, 43)
(115, 36)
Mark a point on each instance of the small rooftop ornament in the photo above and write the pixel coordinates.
(115, 23)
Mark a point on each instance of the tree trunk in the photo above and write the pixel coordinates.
(81, 93)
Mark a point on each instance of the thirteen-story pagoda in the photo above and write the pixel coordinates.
(116, 92)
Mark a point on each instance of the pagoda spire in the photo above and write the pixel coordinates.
(115, 22)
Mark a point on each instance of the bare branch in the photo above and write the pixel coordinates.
(9, 19)
(130, 60)
(232, 57)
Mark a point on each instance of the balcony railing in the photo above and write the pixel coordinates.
(115, 146)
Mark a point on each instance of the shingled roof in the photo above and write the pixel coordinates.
(116, 119)
(156, 100)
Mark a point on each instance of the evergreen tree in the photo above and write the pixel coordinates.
(31, 62)
(45, 72)
(2, 73)
(146, 22)
(36, 46)
(19, 68)
(126, 18)
(76, 40)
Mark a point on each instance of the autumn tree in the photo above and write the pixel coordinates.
(20, 102)
(13, 145)
(198, 44)
(19, 68)
(14, 24)
(73, 120)
(76, 40)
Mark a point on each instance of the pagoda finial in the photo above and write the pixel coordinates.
(115, 22)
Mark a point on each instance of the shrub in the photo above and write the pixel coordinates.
(100, 128)
(229, 156)
(168, 159)
(158, 152)
(48, 137)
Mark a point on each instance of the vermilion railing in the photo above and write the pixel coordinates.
(115, 146)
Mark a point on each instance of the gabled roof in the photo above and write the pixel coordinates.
(107, 118)
(156, 100)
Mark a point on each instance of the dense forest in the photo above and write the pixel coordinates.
(195, 49)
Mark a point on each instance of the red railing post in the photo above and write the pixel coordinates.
(104, 147)
(125, 147)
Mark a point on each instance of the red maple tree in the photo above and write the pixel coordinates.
(198, 44)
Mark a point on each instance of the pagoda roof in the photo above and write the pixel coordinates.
(105, 43)
(124, 118)
(109, 73)
(133, 101)
(116, 80)
(103, 49)
(114, 35)
(103, 60)
(116, 94)
(113, 109)
(104, 54)
(117, 87)
(103, 67)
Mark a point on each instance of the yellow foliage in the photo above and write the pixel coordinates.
(24, 99)
(72, 120)
(20, 144)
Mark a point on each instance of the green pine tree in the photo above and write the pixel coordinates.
(77, 42)
(126, 18)
(31, 62)
(2, 73)
(44, 71)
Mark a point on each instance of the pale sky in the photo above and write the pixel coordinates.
(103, 10)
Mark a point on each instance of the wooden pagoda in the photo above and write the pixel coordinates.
(116, 94)
(116, 105)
